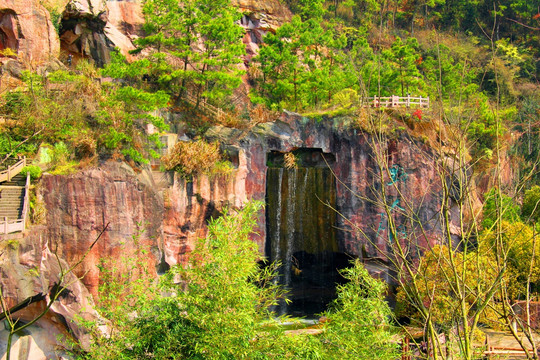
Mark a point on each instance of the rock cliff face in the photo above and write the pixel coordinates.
(170, 221)
(363, 227)
(168, 216)
(94, 28)
(260, 17)
(29, 272)
(26, 28)
(81, 206)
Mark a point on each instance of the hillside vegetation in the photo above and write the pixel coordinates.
(477, 61)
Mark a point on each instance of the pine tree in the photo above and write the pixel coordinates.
(302, 65)
(403, 60)
(194, 47)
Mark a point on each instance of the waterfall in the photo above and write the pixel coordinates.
(302, 234)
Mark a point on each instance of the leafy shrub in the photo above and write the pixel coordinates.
(37, 209)
(530, 210)
(9, 144)
(217, 307)
(60, 153)
(66, 168)
(194, 157)
(494, 207)
(222, 169)
(8, 52)
(358, 325)
(33, 170)
(215, 311)
(135, 155)
(85, 147)
(436, 279)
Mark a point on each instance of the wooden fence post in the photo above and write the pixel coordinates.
(5, 225)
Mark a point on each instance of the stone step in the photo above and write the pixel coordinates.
(11, 197)
(17, 180)
(10, 205)
(6, 194)
(11, 201)
(11, 191)
(9, 217)
(9, 211)
(12, 183)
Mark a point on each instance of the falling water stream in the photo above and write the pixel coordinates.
(301, 231)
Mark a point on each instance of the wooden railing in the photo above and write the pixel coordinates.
(12, 170)
(397, 101)
(11, 226)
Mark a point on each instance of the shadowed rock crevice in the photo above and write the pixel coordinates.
(10, 31)
(83, 35)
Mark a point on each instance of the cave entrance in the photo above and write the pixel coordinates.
(301, 229)
(8, 31)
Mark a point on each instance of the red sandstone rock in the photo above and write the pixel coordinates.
(80, 206)
(29, 267)
(27, 29)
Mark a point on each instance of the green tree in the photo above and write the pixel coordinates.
(214, 308)
(195, 47)
(436, 279)
(359, 320)
(403, 58)
(495, 208)
(86, 117)
(302, 65)
(218, 307)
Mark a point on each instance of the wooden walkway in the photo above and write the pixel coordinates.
(397, 101)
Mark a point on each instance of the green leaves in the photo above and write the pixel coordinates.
(194, 47)
(402, 75)
(358, 325)
(302, 65)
